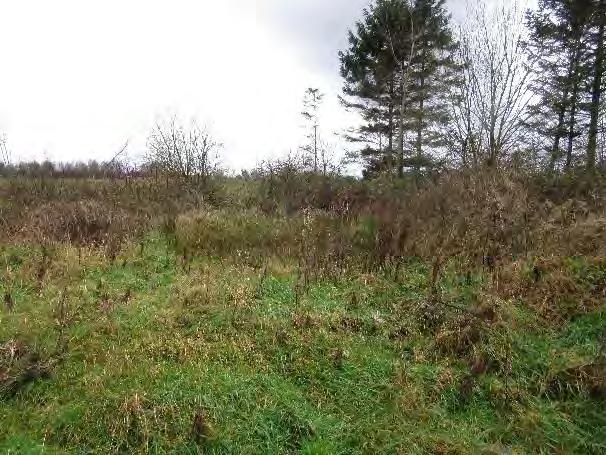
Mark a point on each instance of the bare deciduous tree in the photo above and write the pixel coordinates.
(463, 129)
(185, 151)
(490, 107)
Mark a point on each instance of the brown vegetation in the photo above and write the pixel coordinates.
(514, 226)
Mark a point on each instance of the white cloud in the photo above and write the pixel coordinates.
(79, 77)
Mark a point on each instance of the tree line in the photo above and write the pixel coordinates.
(179, 150)
(509, 85)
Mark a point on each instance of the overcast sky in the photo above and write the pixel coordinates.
(80, 77)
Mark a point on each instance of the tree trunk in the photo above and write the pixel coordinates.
(315, 149)
(420, 128)
(558, 134)
(597, 90)
(470, 143)
(390, 161)
(421, 118)
(401, 128)
(421, 107)
(561, 117)
(492, 126)
(574, 99)
(572, 124)
(464, 151)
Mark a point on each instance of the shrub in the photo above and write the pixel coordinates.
(84, 223)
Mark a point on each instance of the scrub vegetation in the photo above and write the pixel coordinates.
(450, 299)
(463, 315)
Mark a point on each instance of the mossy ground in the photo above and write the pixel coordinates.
(356, 364)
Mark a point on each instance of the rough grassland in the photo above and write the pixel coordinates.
(154, 353)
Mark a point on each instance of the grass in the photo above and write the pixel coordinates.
(141, 345)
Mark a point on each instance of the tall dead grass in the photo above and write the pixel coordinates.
(482, 218)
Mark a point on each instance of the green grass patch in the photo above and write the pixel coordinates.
(139, 346)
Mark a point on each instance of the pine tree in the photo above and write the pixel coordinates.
(397, 67)
(597, 86)
(434, 74)
(371, 82)
(311, 113)
(558, 43)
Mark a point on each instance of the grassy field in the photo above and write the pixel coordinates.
(158, 352)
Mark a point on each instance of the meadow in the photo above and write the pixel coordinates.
(272, 315)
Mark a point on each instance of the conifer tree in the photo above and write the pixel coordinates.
(370, 73)
(597, 86)
(434, 74)
(559, 44)
(312, 102)
(396, 69)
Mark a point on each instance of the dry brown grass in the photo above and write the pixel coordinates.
(554, 288)
(589, 378)
(86, 222)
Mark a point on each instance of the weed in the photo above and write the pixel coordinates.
(302, 315)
